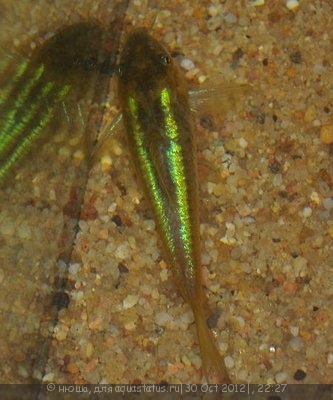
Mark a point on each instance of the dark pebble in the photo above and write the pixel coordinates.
(299, 375)
(296, 57)
(260, 118)
(117, 220)
(159, 330)
(122, 268)
(303, 280)
(238, 54)
(61, 300)
(213, 318)
(275, 166)
(206, 122)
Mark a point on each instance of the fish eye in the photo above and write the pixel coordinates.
(90, 64)
(121, 70)
(164, 59)
(107, 67)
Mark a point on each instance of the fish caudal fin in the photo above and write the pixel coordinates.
(212, 362)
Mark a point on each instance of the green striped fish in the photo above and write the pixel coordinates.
(45, 88)
(157, 118)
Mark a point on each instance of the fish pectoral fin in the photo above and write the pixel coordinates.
(106, 138)
(219, 98)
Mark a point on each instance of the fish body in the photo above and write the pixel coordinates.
(157, 118)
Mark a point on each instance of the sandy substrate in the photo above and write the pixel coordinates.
(266, 198)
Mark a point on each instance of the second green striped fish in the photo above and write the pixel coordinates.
(35, 91)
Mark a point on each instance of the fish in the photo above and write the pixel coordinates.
(52, 103)
(38, 92)
(39, 86)
(154, 101)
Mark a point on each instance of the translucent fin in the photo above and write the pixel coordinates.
(104, 141)
(212, 363)
(218, 99)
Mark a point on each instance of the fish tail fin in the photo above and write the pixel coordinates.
(212, 362)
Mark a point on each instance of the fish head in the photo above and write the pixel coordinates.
(145, 65)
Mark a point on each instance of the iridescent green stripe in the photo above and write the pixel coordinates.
(26, 135)
(176, 167)
(170, 123)
(149, 171)
(177, 172)
(12, 128)
(18, 126)
(6, 90)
